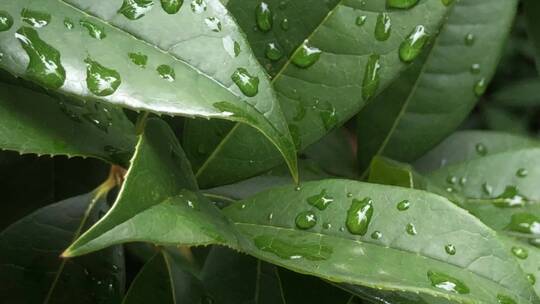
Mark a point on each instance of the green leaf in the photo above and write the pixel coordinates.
(162, 280)
(532, 12)
(503, 120)
(133, 55)
(523, 94)
(157, 199)
(318, 98)
(62, 126)
(441, 88)
(31, 270)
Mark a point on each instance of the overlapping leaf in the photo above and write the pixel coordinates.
(532, 12)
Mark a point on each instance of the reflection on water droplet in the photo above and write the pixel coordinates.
(273, 52)
(6, 21)
(411, 229)
(531, 278)
(306, 220)
(264, 17)
(297, 188)
(469, 39)
(285, 24)
(35, 18)
(412, 46)
(522, 172)
(480, 87)
(383, 27)
(481, 149)
(292, 251)
(359, 216)
(452, 180)
(503, 299)
(403, 4)
(475, 68)
(171, 6)
(463, 181)
(270, 216)
(138, 59)
(213, 24)
(166, 72)
(44, 66)
(447, 283)
(487, 188)
(231, 47)
(94, 30)
(327, 226)
(535, 242)
(198, 6)
(321, 201)
(520, 252)
(101, 81)
(248, 84)
(376, 235)
(135, 9)
(349, 194)
(361, 20)
(371, 80)
(69, 24)
(525, 223)
(510, 198)
(403, 205)
(306, 55)
(450, 249)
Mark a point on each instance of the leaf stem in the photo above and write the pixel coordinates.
(141, 123)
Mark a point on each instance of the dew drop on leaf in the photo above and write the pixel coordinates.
(383, 27)
(404, 4)
(503, 299)
(531, 278)
(290, 251)
(44, 66)
(452, 180)
(520, 252)
(480, 87)
(101, 81)
(450, 249)
(264, 17)
(231, 47)
(361, 20)
(321, 201)
(487, 189)
(359, 216)
(447, 2)
(470, 39)
(94, 30)
(198, 6)
(135, 9)
(213, 24)
(248, 84)
(273, 52)
(349, 194)
(522, 172)
(69, 24)
(171, 6)
(306, 220)
(36, 19)
(481, 149)
(376, 235)
(475, 68)
(510, 198)
(447, 283)
(327, 226)
(525, 223)
(6, 21)
(306, 55)
(371, 81)
(411, 229)
(412, 46)
(284, 24)
(138, 59)
(403, 205)
(166, 72)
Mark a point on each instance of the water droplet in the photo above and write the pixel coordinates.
(361, 20)
(503, 299)
(450, 249)
(469, 39)
(447, 283)
(403, 205)
(475, 68)
(349, 194)
(35, 18)
(306, 220)
(412, 46)
(101, 81)
(231, 47)
(383, 27)
(480, 87)
(306, 55)
(510, 198)
(213, 23)
(249, 85)
(321, 201)
(535, 242)
(171, 6)
(243, 206)
(463, 181)
(447, 2)
(327, 226)
(327, 112)
(404, 4)
(44, 66)
(531, 278)
(282, 5)
(291, 251)
(342, 229)
(69, 24)
(135, 9)
(297, 188)
(522, 172)
(270, 216)
(451, 190)
(520, 252)
(273, 52)
(6, 21)
(411, 229)
(525, 223)
(371, 80)
(198, 6)
(284, 24)
(376, 235)
(94, 30)
(138, 59)
(359, 216)
(264, 17)
(481, 149)
(166, 72)
(487, 188)
(452, 180)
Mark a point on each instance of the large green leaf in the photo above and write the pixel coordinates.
(532, 13)
(432, 98)
(62, 126)
(32, 272)
(133, 54)
(322, 96)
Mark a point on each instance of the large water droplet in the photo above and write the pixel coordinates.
(293, 251)
(44, 66)
(359, 216)
(273, 52)
(306, 220)
(520, 252)
(503, 299)
(198, 6)
(371, 81)
(481, 149)
(531, 278)
(171, 6)
(510, 198)
(522, 172)
(135, 9)
(264, 17)
(450, 249)
(138, 59)
(447, 283)
(166, 72)
(411, 229)
(480, 87)
(213, 23)
(6, 21)
(412, 46)
(403, 205)
(401, 3)
(306, 55)
(231, 47)
(321, 201)
(525, 223)
(94, 30)
(249, 85)
(101, 81)
(383, 27)
(36, 19)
